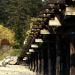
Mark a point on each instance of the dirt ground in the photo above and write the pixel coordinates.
(15, 70)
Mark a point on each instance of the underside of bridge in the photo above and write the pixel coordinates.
(50, 47)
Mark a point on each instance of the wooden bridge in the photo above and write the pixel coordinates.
(50, 46)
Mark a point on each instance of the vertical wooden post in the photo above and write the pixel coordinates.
(36, 61)
(31, 63)
(42, 62)
(45, 56)
(52, 54)
(65, 55)
(40, 59)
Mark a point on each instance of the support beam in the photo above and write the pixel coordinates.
(65, 55)
(52, 54)
(45, 57)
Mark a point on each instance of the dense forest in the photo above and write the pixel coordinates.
(16, 14)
